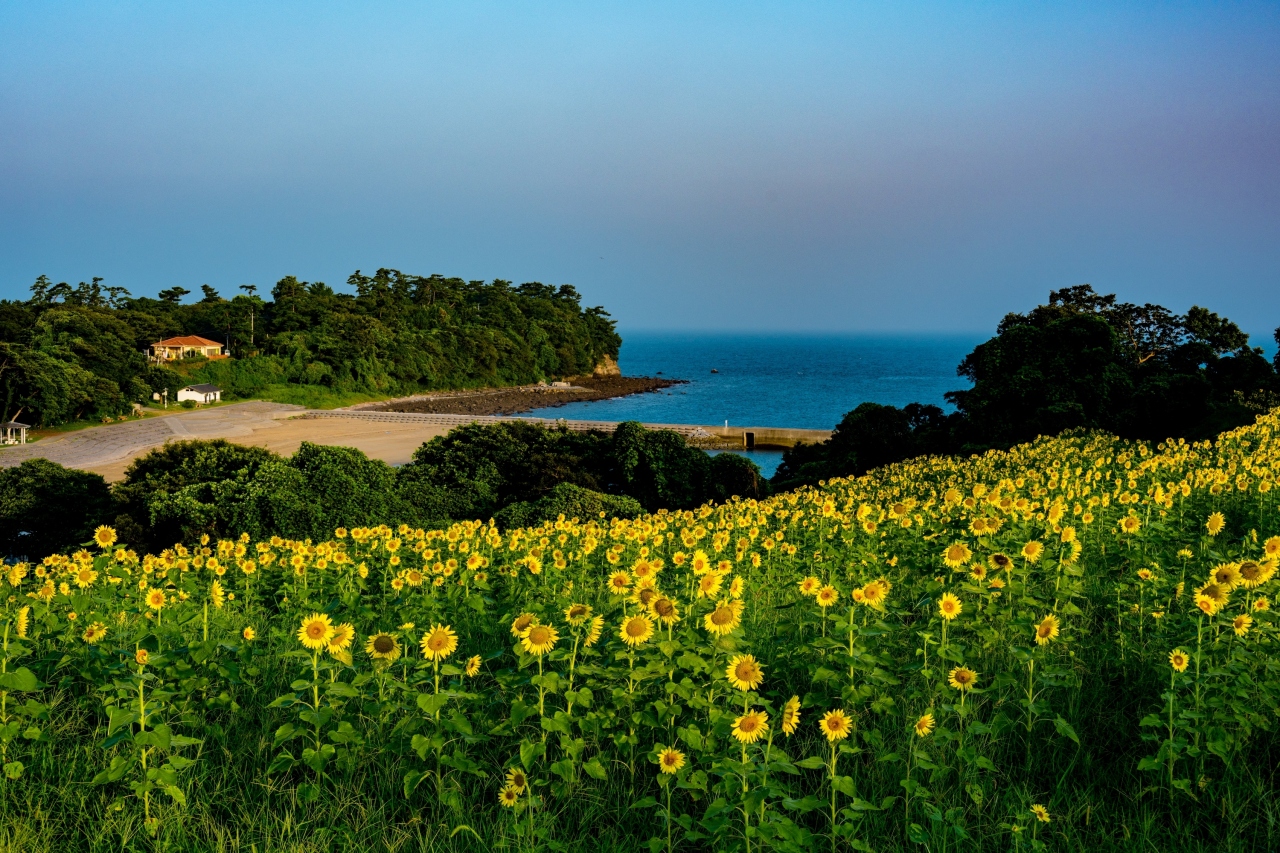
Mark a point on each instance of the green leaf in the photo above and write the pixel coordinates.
(12, 770)
(430, 703)
(530, 751)
(21, 679)
(342, 690)
(282, 762)
(120, 717)
(844, 784)
(813, 762)
(1064, 729)
(596, 770)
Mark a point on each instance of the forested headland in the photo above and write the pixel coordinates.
(79, 352)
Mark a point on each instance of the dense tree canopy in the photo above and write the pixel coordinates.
(79, 352)
(516, 473)
(1083, 361)
(45, 508)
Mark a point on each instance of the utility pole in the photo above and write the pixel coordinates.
(250, 289)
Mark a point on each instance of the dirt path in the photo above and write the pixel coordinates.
(108, 450)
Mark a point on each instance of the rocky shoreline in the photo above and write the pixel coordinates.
(523, 398)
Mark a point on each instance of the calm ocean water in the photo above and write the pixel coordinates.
(805, 381)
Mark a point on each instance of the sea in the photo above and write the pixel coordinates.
(768, 380)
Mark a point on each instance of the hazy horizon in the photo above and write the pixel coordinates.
(789, 167)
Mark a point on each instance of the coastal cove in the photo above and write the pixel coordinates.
(761, 379)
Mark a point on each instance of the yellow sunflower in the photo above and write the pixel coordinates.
(1241, 624)
(709, 585)
(508, 797)
(744, 672)
(1032, 551)
(473, 666)
(316, 631)
(835, 725)
(577, 614)
(1178, 660)
(619, 583)
(516, 780)
(665, 609)
(751, 726)
(383, 647)
(342, 636)
(95, 632)
(956, 555)
(249, 634)
(924, 725)
(105, 537)
(521, 623)
(155, 599)
(962, 678)
(1047, 630)
(1211, 597)
(1216, 522)
(1041, 813)
(791, 716)
(724, 619)
(670, 760)
(827, 596)
(809, 586)
(595, 632)
(438, 643)
(539, 639)
(636, 630)
(949, 607)
(1226, 575)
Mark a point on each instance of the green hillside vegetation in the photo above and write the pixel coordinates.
(72, 353)
(1083, 361)
(516, 473)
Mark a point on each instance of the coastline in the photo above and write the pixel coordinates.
(521, 398)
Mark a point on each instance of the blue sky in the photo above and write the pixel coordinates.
(794, 166)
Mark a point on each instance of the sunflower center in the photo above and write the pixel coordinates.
(635, 628)
(722, 616)
(382, 644)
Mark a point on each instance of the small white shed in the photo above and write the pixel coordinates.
(200, 394)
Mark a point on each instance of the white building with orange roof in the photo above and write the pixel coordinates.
(186, 346)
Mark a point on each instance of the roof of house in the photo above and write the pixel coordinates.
(187, 341)
(203, 389)
(14, 425)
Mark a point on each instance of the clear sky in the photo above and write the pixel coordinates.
(790, 166)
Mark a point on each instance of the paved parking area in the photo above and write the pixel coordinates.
(95, 447)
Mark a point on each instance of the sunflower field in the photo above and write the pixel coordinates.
(1068, 646)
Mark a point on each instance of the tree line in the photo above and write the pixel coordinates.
(78, 352)
(516, 473)
(1084, 361)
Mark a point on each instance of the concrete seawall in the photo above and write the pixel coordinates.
(742, 436)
